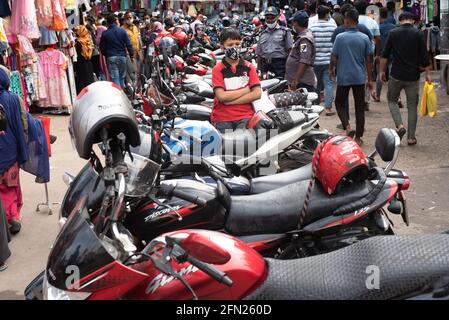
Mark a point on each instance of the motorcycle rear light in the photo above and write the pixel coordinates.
(406, 183)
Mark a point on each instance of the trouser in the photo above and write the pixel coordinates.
(117, 70)
(358, 91)
(411, 89)
(231, 125)
(275, 65)
(326, 83)
(131, 72)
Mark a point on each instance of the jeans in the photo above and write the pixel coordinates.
(117, 70)
(324, 82)
(411, 89)
(231, 125)
(358, 91)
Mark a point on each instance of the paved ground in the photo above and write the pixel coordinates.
(427, 164)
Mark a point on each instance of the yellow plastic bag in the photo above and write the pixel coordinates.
(423, 104)
(429, 101)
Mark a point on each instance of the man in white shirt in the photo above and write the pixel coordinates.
(314, 19)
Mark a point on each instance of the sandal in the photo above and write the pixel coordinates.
(401, 132)
(330, 113)
(351, 133)
(3, 266)
(412, 142)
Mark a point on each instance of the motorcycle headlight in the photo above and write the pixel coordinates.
(52, 293)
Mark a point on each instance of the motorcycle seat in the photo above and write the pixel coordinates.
(266, 84)
(267, 183)
(196, 112)
(277, 211)
(207, 93)
(405, 265)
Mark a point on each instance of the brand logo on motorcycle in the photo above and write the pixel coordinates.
(162, 280)
(161, 213)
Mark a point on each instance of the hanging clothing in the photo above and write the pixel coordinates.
(430, 14)
(44, 13)
(5, 10)
(48, 37)
(39, 164)
(71, 4)
(24, 19)
(53, 86)
(115, 5)
(59, 17)
(84, 73)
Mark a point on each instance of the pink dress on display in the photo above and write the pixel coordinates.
(53, 85)
(23, 19)
(44, 13)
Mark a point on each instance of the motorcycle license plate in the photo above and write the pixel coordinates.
(404, 213)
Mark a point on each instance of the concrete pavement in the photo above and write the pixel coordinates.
(426, 163)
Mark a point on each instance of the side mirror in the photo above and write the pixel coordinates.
(203, 249)
(387, 142)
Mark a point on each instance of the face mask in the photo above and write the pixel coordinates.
(147, 21)
(129, 21)
(232, 53)
(272, 25)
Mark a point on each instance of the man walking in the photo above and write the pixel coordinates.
(385, 27)
(114, 45)
(407, 47)
(373, 27)
(299, 68)
(352, 55)
(322, 32)
(274, 45)
(134, 36)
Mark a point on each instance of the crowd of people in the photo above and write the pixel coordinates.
(317, 47)
(346, 47)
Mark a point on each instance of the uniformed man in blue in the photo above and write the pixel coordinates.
(274, 45)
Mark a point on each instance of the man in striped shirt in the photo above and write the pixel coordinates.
(322, 32)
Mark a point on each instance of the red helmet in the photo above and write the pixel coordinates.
(256, 21)
(341, 160)
(181, 37)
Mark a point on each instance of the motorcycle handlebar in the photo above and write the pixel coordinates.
(170, 190)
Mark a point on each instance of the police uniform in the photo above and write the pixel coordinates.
(273, 47)
(303, 52)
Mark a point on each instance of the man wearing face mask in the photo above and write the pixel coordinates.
(134, 35)
(235, 84)
(300, 73)
(274, 45)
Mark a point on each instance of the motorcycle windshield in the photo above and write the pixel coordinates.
(77, 251)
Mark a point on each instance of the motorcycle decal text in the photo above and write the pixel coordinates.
(162, 280)
(161, 213)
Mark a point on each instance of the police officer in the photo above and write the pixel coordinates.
(274, 45)
(301, 59)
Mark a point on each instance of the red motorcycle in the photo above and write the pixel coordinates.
(199, 264)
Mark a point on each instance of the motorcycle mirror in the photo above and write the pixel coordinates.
(202, 248)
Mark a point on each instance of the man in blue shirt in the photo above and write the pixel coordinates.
(352, 55)
(115, 45)
(385, 26)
